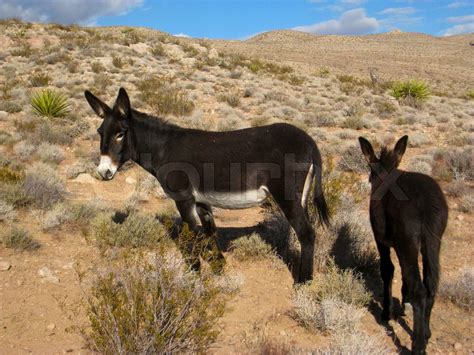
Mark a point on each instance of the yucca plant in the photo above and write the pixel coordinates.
(49, 103)
(410, 92)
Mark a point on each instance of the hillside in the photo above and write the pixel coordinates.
(446, 61)
(69, 240)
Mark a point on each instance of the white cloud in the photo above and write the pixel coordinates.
(351, 22)
(182, 35)
(461, 19)
(71, 11)
(459, 29)
(458, 4)
(398, 11)
(465, 25)
(354, 2)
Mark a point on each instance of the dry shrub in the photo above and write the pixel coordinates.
(136, 230)
(164, 98)
(460, 289)
(353, 160)
(63, 213)
(454, 164)
(345, 285)
(358, 342)
(43, 186)
(18, 239)
(7, 211)
(50, 153)
(152, 305)
(251, 247)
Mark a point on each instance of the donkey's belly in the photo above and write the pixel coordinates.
(232, 200)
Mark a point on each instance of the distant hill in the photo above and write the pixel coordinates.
(395, 54)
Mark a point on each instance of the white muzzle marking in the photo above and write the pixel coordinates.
(106, 168)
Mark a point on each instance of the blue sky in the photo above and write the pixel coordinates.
(238, 19)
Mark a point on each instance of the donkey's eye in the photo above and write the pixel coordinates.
(119, 136)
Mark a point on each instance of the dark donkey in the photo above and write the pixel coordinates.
(408, 212)
(232, 170)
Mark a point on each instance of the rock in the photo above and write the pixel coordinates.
(85, 179)
(460, 217)
(48, 275)
(213, 53)
(5, 266)
(130, 180)
(457, 346)
(51, 326)
(3, 115)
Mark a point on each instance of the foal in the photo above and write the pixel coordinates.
(408, 212)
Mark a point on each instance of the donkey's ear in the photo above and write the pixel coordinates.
(367, 150)
(100, 108)
(122, 104)
(400, 149)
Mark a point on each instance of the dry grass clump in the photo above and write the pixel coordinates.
(42, 186)
(345, 285)
(63, 213)
(466, 203)
(18, 239)
(137, 230)
(328, 315)
(352, 160)
(358, 342)
(460, 289)
(7, 211)
(233, 100)
(454, 164)
(50, 153)
(251, 247)
(40, 79)
(164, 98)
(152, 305)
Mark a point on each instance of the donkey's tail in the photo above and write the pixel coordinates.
(318, 193)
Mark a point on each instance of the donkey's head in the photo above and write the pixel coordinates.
(115, 137)
(389, 159)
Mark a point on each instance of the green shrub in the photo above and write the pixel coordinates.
(19, 239)
(49, 103)
(138, 230)
(410, 92)
(152, 305)
(164, 98)
(251, 248)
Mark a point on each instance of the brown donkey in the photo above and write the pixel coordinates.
(408, 212)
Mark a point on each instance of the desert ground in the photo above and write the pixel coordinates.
(59, 230)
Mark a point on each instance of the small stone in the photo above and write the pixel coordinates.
(5, 266)
(84, 179)
(457, 346)
(130, 180)
(51, 326)
(460, 217)
(3, 115)
(48, 275)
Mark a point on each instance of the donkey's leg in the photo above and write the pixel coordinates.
(207, 219)
(296, 216)
(187, 210)
(416, 291)
(430, 280)
(386, 272)
(214, 255)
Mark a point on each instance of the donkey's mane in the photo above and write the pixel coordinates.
(153, 123)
